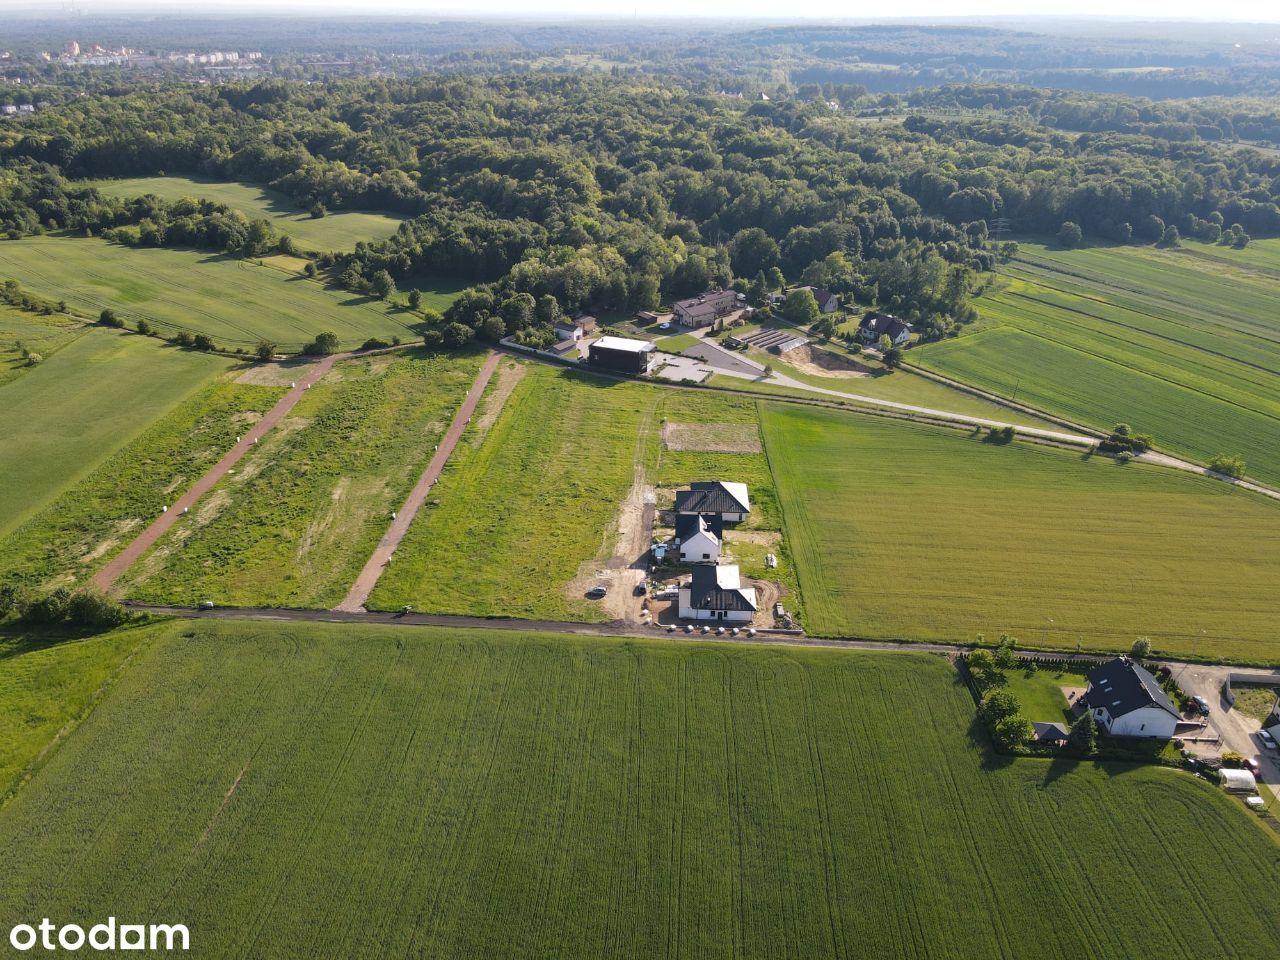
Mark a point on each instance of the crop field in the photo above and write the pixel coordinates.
(304, 510)
(336, 790)
(22, 331)
(46, 684)
(1183, 344)
(337, 230)
(89, 398)
(96, 516)
(236, 302)
(904, 531)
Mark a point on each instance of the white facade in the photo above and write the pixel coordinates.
(1150, 721)
(687, 611)
(702, 547)
(569, 331)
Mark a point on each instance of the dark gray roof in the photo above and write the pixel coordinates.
(688, 525)
(705, 592)
(1049, 732)
(882, 324)
(822, 296)
(1122, 686)
(708, 496)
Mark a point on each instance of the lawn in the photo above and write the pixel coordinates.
(337, 230)
(337, 790)
(1254, 701)
(1183, 344)
(678, 343)
(298, 519)
(905, 531)
(96, 515)
(88, 399)
(236, 302)
(1040, 692)
(536, 497)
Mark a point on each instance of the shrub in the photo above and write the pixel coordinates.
(325, 344)
(93, 609)
(204, 342)
(144, 328)
(1231, 758)
(1141, 648)
(264, 351)
(373, 343)
(1229, 465)
(108, 318)
(49, 609)
(433, 339)
(183, 338)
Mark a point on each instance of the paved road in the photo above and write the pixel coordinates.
(1238, 732)
(782, 380)
(121, 562)
(368, 578)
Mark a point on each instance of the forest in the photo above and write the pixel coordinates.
(605, 193)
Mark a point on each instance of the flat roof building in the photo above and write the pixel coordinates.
(622, 354)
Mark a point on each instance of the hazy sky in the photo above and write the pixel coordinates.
(1249, 10)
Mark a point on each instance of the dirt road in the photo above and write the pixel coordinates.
(368, 578)
(308, 375)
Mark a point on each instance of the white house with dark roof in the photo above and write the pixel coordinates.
(700, 537)
(876, 325)
(717, 593)
(1127, 701)
(827, 301)
(729, 501)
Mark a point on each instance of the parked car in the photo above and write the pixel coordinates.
(664, 326)
(1267, 739)
(206, 604)
(1252, 765)
(1202, 704)
(597, 592)
(641, 590)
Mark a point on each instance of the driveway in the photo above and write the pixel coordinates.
(1238, 732)
(725, 361)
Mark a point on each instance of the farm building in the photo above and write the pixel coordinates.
(704, 310)
(1127, 701)
(622, 354)
(728, 501)
(876, 325)
(716, 593)
(700, 537)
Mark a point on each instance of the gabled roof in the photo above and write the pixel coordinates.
(689, 525)
(720, 588)
(884, 324)
(1122, 686)
(1049, 732)
(713, 496)
(822, 296)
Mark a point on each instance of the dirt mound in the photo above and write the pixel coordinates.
(824, 363)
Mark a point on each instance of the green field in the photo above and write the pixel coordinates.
(337, 230)
(520, 510)
(1183, 344)
(347, 791)
(236, 302)
(42, 335)
(96, 516)
(904, 531)
(89, 398)
(46, 685)
(303, 511)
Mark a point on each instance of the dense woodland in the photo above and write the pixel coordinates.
(610, 193)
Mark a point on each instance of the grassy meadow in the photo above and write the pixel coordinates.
(337, 230)
(523, 505)
(905, 531)
(87, 399)
(296, 790)
(1183, 344)
(43, 335)
(95, 516)
(236, 302)
(303, 511)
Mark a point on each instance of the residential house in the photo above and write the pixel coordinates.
(705, 309)
(622, 354)
(828, 302)
(575, 329)
(700, 537)
(876, 325)
(728, 501)
(717, 593)
(1127, 701)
